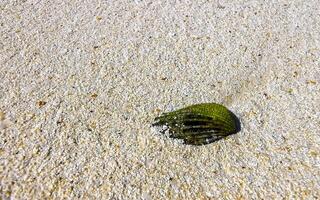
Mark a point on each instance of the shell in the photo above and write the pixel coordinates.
(199, 124)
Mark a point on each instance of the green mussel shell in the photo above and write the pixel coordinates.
(199, 124)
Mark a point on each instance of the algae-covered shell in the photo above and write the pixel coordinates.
(199, 124)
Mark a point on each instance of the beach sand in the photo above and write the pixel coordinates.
(82, 81)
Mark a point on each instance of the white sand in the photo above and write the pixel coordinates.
(81, 82)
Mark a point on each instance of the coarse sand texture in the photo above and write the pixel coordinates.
(81, 82)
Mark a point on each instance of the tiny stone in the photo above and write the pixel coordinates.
(164, 78)
(94, 95)
(41, 103)
(311, 82)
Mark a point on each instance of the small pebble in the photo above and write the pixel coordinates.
(41, 103)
